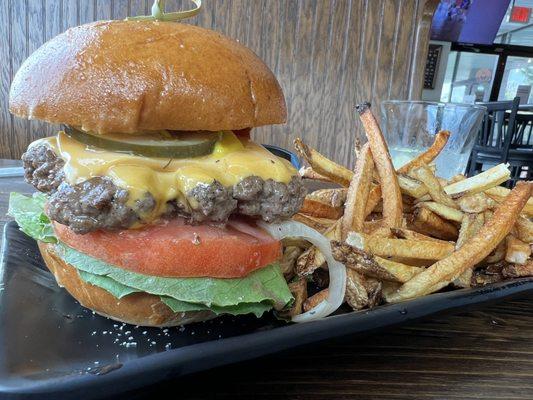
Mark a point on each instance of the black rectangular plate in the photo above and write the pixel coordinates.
(51, 347)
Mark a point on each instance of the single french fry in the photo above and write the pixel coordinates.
(427, 222)
(319, 209)
(411, 187)
(499, 194)
(472, 252)
(470, 225)
(441, 138)
(335, 197)
(322, 165)
(310, 173)
(436, 192)
(356, 294)
(517, 252)
(385, 247)
(448, 213)
(524, 229)
(391, 194)
(318, 224)
(481, 182)
(371, 265)
(404, 233)
(476, 203)
(315, 300)
(354, 208)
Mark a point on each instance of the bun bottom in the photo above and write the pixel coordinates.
(137, 308)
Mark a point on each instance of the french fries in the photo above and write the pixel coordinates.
(373, 266)
(407, 233)
(517, 252)
(472, 252)
(354, 213)
(322, 165)
(391, 195)
(385, 247)
(442, 210)
(427, 222)
(436, 192)
(319, 209)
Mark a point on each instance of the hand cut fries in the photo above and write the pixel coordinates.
(517, 252)
(407, 233)
(391, 195)
(354, 212)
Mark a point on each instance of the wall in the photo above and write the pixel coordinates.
(328, 56)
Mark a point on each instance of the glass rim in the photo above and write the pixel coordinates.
(437, 104)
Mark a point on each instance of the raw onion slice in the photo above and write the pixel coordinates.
(337, 271)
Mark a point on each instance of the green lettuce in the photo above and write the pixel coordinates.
(30, 216)
(256, 293)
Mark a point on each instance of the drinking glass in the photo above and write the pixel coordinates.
(409, 128)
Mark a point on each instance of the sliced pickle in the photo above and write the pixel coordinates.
(163, 144)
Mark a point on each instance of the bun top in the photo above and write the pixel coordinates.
(131, 76)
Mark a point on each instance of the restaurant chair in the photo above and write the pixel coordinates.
(502, 139)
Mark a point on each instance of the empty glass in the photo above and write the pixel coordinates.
(409, 128)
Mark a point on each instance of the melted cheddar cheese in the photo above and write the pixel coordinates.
(231, 161)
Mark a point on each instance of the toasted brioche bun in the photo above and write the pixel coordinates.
(137, 308)
(131, 76)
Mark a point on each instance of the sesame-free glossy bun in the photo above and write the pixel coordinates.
(131, 76)
(137, 308)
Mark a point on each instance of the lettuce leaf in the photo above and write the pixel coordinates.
(265, 284)
(256, 293)
(30, 216)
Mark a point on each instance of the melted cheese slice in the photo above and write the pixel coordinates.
(231, 161)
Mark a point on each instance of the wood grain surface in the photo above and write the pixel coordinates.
(482, 354)
(327, 54)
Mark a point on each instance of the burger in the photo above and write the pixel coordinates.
(150, 195)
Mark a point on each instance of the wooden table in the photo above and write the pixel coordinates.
(482, 354)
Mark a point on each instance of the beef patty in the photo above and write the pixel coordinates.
(99, 204)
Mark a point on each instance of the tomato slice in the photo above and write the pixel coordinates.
(175, 249)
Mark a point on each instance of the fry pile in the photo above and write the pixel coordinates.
(406, 233)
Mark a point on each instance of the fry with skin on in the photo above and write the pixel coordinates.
(391, 194)
(323, 165)
(436, 192)
(354, 208)
(356, 294)
(476, 203)
(517, 252)
(427, 222)
(385, 247)
(315, 299)
(309, 173)
(524, 229)
(404, 233)
(371, 265)
(448, 213)
(319, 209)
(479, 183)
(472, 252)
(318, 224)
(470, 225)
(411, 187)
(499, 193)
(334, 197)
(441, 138)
